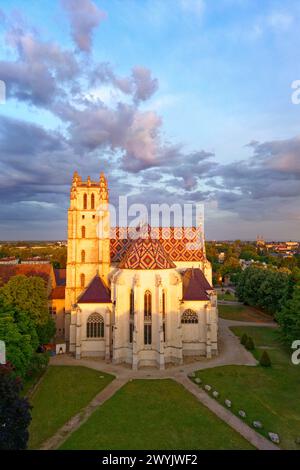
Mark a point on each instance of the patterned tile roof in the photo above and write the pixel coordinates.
(146, 253)
(180, 244)
(96, 292)
(195, 285)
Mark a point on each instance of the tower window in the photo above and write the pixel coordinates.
(83, 231)
(131, 328)
(147, 305)
(83, 256)
(82, 280)
(85, 201)
(93, 201)
(163, 303)
(95, 326)
(131, 308)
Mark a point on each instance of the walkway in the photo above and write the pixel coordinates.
(231, 352)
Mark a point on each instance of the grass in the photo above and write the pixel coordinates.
(63, 392)
(270, 395)
(154, 414)
(229, 297)
(243, 313)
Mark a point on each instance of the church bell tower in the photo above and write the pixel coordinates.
(88, 236)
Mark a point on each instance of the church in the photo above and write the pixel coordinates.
(143, 300)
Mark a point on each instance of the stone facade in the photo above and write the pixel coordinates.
(145, 302)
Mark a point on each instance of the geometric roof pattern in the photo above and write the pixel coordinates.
(180, 244)
(146, 253)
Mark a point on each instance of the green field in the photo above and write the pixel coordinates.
(228, 296)
(270, 395)
(243, 313)
(63, 392)
(154, 414)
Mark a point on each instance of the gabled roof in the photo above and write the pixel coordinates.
(180, 244)
(195, 285)
(96, 292)
(146, 253)
(58, 293)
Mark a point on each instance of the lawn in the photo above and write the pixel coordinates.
(270, 395)
(228, 296)
(154, 414)
(63, 392)
(243, 313)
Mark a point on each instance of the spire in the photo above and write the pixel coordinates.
(103, 187)
(76, 178)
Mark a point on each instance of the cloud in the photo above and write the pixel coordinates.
(280, 20)
(266, 186)
(84, 17)
(40, 70)
(144, 84)
(193, 6)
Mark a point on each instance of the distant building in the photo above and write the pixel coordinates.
(10, 260)
(35, 260)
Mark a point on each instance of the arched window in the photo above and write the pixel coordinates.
(93, 201)
(85, 201)
(189, 316)
(82, 280)
(83, 231)
(131, 308)
(163, 303)
(147, 317)
(83, 256)
(147, 305)
(95, 326)
(164, 313)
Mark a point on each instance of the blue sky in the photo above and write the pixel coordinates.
(213, 77)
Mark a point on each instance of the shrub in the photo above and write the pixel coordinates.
(14, 411)
(250, 344)
(244, 339)
(38, 363)
(265, 360)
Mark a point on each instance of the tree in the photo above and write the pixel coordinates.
(28, 295)
(268, 289)
(244, 339)
(19, 348)
(249, 344)
(14, 412)
(265, 360)
(289, 318)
